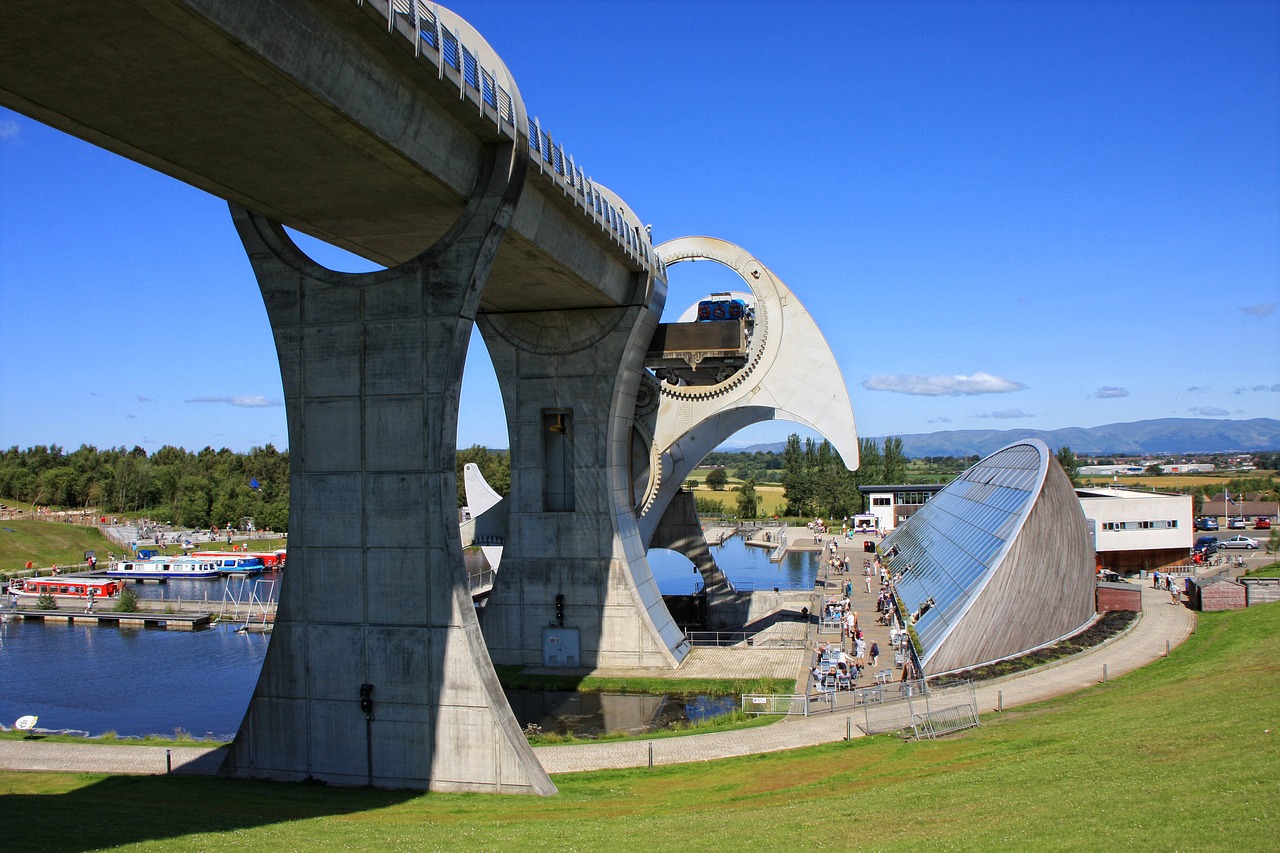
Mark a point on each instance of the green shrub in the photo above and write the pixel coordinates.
(46, 602)
(127, 602)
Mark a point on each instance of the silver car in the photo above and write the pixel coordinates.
(1238, 542)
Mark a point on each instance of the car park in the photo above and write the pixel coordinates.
(1263, 523)
(1238, 542)
(1206, 523)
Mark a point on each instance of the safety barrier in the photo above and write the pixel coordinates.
(436, 43)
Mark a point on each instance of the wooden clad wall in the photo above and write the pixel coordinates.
(1041, 590)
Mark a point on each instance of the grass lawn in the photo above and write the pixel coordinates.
(47, 543)
(1271, 570)
(1183, 754)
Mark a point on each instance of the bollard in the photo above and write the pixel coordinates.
(1104, 673)
(1166, 648)
(651, 755)
(848, 728)
(168, 761)
(1000, 700)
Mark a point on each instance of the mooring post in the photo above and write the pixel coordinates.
(168, 761)
(1104, 673)
(1000, 701)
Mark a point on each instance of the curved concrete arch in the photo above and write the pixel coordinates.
(786, 350)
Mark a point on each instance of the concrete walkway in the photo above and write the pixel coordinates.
(1161, 622)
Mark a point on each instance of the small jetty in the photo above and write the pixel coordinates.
(189, 621)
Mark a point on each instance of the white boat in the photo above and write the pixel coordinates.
(233, 562)
(163, 568)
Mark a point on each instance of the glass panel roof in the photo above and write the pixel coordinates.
(946, 548)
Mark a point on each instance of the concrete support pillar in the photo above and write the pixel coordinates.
(376, 592)
(573, 551)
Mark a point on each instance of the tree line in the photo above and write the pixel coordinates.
(204, 489)
(817, 484)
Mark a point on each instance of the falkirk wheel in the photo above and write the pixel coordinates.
(730, 361)
(698, 398)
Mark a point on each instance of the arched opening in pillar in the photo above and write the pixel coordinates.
(330, 256)
(675, 573)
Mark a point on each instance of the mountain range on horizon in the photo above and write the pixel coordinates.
(1148, 437)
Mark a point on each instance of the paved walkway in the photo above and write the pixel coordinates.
(1161, 622)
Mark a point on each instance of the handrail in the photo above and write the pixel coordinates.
(418, 21)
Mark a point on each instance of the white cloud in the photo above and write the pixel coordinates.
(1275, 387)
(1008, 413)
(142, 399)
(8, 129)
(941, 386)
(1195, 389)
(1262, 309)
(1209, 411)
(940, 420)
(246, 402)
(1107, 392)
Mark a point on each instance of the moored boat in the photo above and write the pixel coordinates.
(68, 589)
(163, 568)
(272, 561)
(233, 562)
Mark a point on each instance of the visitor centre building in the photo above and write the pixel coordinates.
(997, 563)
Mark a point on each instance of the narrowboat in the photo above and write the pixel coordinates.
(65, 590)
(163, 568)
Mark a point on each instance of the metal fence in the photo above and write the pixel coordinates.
(927, 714)
(898, 706)
(762, 704)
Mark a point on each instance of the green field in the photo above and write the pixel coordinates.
(48, 543)
(1183, 754)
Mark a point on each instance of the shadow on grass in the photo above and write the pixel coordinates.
(118, 810)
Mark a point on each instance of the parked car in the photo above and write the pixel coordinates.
(1238, 542)
(1235, 524)
(1263, 523)
(1206, 523)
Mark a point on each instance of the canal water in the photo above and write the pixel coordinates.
(137, 682)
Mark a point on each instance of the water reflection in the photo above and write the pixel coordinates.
(594, 714)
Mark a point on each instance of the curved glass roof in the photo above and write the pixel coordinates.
(947, 549)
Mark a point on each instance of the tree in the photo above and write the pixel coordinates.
(1070, 465)
(717, 479)
(748, 502)
(895, 461)
(706, 506)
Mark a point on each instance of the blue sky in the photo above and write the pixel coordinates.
(1001, 215)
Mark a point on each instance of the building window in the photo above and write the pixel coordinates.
(880, 502)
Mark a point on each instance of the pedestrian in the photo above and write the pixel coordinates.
(868, 580)
(875, 654)
(1155, 580)
(89, 609)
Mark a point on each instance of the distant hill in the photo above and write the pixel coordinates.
(1154, 437)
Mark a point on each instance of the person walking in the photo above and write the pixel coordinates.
(875, 654)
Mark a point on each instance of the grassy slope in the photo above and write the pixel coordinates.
(1180, 755)
(46, 543)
